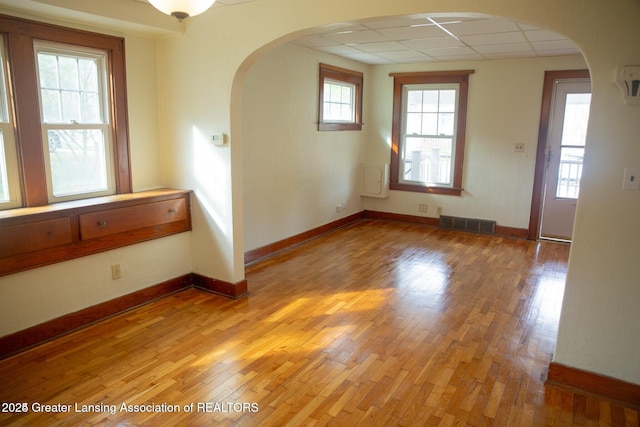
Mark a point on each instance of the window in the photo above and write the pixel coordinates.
(429, 120)
(340, 100)
(68, 92)
(9, 180)
(572, 143)
(75, 121)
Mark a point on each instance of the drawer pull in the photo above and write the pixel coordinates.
(172, 210)
(102, 224)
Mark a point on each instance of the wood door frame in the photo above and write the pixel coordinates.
(543, 131)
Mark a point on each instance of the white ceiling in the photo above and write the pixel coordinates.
(437, 38)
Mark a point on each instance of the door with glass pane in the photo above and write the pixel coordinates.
(565, 152)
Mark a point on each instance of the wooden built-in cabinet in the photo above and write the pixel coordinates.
(33, 237)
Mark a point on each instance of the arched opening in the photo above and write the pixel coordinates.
(297, 178)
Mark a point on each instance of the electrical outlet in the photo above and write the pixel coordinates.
(423, 208)
(519, 148)
(115, 272)
(439, 211)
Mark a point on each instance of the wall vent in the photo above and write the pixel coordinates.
(467, 224)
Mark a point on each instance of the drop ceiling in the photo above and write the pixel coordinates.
(437, 38)
(401, 39)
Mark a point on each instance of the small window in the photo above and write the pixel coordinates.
(75, 121)
(340, 100)
(429, 131)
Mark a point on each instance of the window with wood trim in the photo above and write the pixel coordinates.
(340, 99)
(69, 97)
(428, 134)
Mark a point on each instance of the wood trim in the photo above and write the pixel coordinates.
(273, 248)
(35, 335)
(419, 76)
(20, 35)
(388, 216)
(543, 130)
(520, 233)
(76, 245)
(344, 75)
(400, 79)
(585, 381)
(227, 289)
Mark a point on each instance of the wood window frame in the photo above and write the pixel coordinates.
(342, 75)
(20, 35)
(430, 77)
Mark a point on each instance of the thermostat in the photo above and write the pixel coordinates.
(217, 138)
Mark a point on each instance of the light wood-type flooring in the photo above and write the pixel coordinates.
(376, 324)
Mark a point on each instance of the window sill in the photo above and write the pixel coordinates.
(339, 126)
(38, 236)
(422, 189)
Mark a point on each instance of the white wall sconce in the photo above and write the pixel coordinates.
(628, 80)
(182, 9)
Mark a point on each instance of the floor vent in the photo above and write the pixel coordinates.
(467, 224)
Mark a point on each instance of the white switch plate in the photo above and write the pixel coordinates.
(631, 179)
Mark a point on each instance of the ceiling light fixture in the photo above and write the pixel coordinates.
(182, 9)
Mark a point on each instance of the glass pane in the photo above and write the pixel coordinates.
(447, 101)
(68, 73)
(338, 103)
(430, 124)
(414, 124)
(576, 118)
(445, 123)
(336, 94)
(88, 70)
(569, 172)
(427, 160)
(48, 70)
(71, 107)
(51, 106)
(78, 161)
(69, 89)
(4, 179)
(430, 103)
(414, 101)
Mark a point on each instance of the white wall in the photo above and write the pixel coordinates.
(294, 175)
(503, 109)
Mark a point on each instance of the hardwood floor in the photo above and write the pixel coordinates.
(377, 324)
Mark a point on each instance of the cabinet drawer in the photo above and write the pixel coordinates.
(120, 220)
(33, 236)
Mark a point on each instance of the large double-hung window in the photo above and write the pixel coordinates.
(63, 114)
(429, 119)
(75, 121)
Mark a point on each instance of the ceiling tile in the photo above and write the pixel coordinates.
(504, 48)
(379, 46)
(542, 35)
(494, 38)
(352, 37)
(400, 40)
(482, 26)
(432, 43)
(408, 33)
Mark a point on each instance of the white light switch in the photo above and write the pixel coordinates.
(631, 179)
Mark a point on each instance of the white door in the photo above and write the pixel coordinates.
(565, 152)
